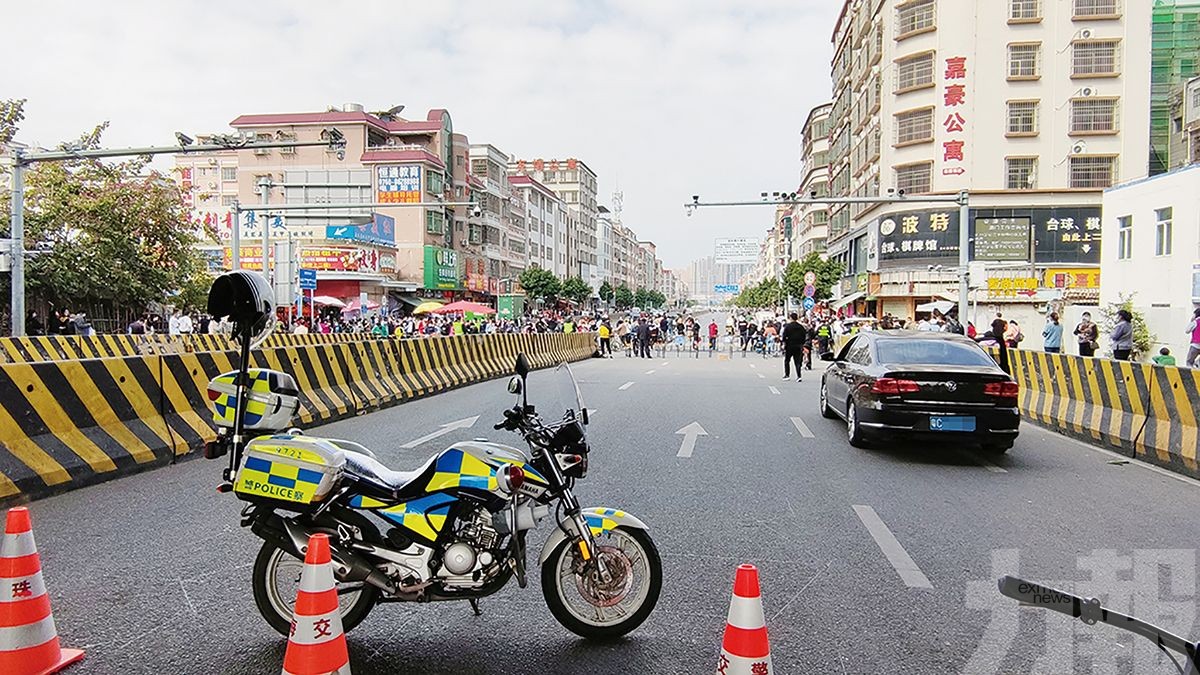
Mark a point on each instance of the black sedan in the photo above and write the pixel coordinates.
(922, 385)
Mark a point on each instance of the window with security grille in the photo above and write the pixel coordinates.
(1084, 8)
(1024, 60)
(1025, 9)
(1023, 117)
(229, 173)
(915, 178)
(915, 71)
(914, 16)
(1095, 57)
(1020, 173)
(1093, 115)
(914, 126)
(1092, 171)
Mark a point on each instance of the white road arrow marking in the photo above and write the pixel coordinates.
(446, 428)
(802, 427)
(690, 432)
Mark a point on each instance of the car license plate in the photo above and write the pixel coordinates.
(952, 423)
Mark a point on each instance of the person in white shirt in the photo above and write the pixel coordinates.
(300, 329)
(184, 324)
(173, 324)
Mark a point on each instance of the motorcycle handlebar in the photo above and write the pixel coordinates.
(1090, 611)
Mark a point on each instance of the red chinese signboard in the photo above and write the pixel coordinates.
(325, 258)
(953, 96)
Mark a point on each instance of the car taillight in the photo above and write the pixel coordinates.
(1002, 389)
(893, 386)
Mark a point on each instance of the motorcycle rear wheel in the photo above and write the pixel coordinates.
(584, 605)
(275, 599)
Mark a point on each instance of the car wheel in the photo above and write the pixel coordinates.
(997, 448)
(853, 427)
(826, 411)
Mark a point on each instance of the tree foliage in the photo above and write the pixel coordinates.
(108, 235)
(766, 294)
(12, 111)
(539, 283)
(623, 297)
(575, 288)
(1143, 339)
(606, 292)
(828, 272)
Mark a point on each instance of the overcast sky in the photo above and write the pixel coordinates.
(663, 98)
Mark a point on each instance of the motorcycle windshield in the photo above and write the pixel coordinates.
(566, 397)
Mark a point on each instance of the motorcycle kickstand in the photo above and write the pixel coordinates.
(475, 606)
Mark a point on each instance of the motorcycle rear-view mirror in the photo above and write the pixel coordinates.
(522, 367)
(514, 385)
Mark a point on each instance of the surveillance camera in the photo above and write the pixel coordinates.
(341, 154)
(695, 199)
(900, 192)
(476, 212)
(812, 194)
(184, 139)
(891, 191)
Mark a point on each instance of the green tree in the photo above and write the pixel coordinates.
(765, 294)
(575, 288)
(641, 298)
(623, 297)
(656, 299)
(606, 292)
(1143, 339)
(828, 273)
(105, 236)
(540, 284)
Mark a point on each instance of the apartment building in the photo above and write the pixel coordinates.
(575, 184)
(545, 223)
(1175, 59)
(407, 252)
(1034, 106)
(810, 222)
(504, 237)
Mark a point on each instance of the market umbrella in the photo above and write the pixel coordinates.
(355, 305)
(327, 300)
(465, 307)
(426, 307)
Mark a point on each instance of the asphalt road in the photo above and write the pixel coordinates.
(879, 560)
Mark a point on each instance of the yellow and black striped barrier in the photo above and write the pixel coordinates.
(1143, 410)
(70, 422)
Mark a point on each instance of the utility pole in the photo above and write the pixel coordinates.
(17, 244)
(264, 192)
(964, 243)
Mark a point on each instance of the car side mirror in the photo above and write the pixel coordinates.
(522, 367)
(828, 356)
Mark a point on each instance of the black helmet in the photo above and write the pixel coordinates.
(246, 298)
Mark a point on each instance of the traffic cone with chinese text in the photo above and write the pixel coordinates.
(744, 650)
(28, 639)
(317, 645)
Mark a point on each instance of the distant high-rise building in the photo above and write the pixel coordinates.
(1174, 59)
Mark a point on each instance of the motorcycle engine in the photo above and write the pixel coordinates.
(464, 559)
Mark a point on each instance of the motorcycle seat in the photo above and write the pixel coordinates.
(374, 471)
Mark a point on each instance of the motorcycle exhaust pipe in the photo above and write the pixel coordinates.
(347, 566)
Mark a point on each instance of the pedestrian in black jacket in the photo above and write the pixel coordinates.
(795, 335)
(642, 343)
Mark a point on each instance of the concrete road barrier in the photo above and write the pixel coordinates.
(69, 423)
(1142, 410)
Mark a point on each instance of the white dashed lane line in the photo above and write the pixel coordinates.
(910, 574)
(625, 386)
(774, 390)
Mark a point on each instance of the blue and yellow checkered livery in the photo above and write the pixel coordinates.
(278, 480)
(425, 516)
(599, 524)
(455, 468)
(270, 405)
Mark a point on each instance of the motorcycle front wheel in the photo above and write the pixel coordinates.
(276, 581)
(587, 605)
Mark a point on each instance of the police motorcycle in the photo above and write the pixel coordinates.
(455, 528)
(1091, 612)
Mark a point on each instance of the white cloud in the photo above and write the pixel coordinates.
(670, 98)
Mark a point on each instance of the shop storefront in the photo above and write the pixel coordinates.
(442, 273)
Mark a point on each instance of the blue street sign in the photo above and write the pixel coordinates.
(308, 280)
(726, 288)
(809, 303)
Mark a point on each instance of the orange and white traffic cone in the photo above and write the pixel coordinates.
(745, 651)
(28, 639)
(317, 645)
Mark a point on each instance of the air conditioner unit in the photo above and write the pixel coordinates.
(1079, 148)
(212, 161)
(1087, 91)
(1086, 33)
